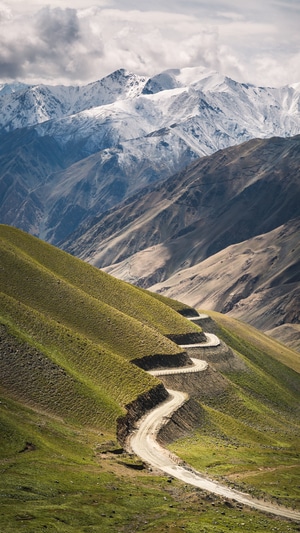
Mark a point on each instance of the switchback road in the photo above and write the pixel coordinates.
(198, 366)
(211, 341)
(143, 443)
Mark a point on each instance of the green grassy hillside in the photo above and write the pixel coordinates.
(258, 340)
(68, 336)
(64, 269)
(84, 323)
(250, 434)
(63, 478)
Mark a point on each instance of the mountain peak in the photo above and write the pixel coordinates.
(26, 105)
(113, 137)
(126, 83)
(15, 87)
(175, 78)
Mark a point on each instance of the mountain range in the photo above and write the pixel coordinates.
(163, 180)
(222, 234)
(186, 184)
(69, 153)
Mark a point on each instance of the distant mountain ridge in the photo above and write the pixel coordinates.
(70, 153)
(27, 105)
(223, 234)
(223, 199)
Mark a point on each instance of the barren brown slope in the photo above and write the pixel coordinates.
(223, 199)
(229, 198)
(256, 281)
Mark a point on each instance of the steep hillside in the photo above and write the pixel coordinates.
(117, 135)
(83, 327)
(174, 236)
(246, 428)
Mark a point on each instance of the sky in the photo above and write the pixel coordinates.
(77, 41)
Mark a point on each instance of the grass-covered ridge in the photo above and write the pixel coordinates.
(256, 340)
(77, 329)
(141, 305)
(66, 377)
(250, 434)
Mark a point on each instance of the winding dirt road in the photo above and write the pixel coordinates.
(211, 341)
(143, 443)
(198, 366)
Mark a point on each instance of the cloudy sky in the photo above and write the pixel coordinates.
(78, 41)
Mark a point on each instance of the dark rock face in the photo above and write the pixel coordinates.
(183, 422)
(162, 361)
(207, 384)
(189, 313)
(137, 409)
(190, 338)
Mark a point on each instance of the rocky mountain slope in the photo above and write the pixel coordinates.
(69, 153)
(223, 234)
(256, 281)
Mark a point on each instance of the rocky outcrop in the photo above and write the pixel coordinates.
(188, 312)
(221, 357)
(137, 408)
(188, 338)
(163, 361)
(182, 422)
(206, 323)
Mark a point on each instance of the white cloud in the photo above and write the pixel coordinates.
(63, 44)
(230, 15)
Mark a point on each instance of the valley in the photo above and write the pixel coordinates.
(69, 154)
(164, 182)
(221, 235)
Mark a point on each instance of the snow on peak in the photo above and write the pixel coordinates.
(201, 77)
(122, 84)
(15, 87)
(128, 131)
(192, 99)
(191, 75)
(24, 105)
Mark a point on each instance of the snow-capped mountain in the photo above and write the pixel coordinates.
(68, 153)
(26, 105)
(209, 110)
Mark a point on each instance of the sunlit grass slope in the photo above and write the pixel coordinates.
(85, 328)
(142, 305)
(66, 376)
(258, 340)
(250, 434)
